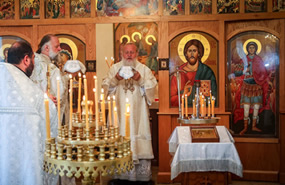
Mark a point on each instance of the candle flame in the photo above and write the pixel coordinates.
(114, 97)
(185, 95)
(70, 76)
(94, 77)
(57, 78)
(79, 74)
(84, 76)
(128, 109)
(94, 90)
(108, 98)
(115, 109)
(102, 90)
(83, 97)
(105, 58)
(46, 96)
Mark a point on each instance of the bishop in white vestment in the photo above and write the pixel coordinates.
(139, 87)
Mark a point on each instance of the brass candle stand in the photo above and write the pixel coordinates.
(88, 153)
(196, 118)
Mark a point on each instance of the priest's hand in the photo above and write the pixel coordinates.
(136, 76)
(53, 98)
(118, 77)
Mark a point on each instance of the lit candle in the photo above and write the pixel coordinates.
(96, 102)
(209, 107)
(202, 114)
(47, 116)
(112, 61)
(194, 107)
(58, 103)
(186, 106)
(182, 106)
(107, 62)
(213, 106)
(103, 106)
(115, 117)
(79, 97)
(86, 102)
(201, 101)
(127, 104)
(205, 107)
(70, 102)
(110, 112)
(127, 123)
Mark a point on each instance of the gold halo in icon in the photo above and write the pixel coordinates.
(192, 36)
(125, 36)
(149, 36)
(72, 45)
(136, 33)
(8, 45)
(259, 46)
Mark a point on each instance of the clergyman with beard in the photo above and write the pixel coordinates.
(22, 114)
(193, 69)
(47, 51)
(139, 88)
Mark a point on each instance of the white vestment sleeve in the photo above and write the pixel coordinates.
(110, 82)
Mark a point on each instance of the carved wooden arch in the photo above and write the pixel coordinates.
(15, 34)
(57, 32)
(195, 28)
(252, 28)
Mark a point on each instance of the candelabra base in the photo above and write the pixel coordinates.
(209, 121)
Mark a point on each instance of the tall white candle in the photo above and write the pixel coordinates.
(70, 102)
(86, 102)
(79, 97)
(96, 102)
(58, 103)
(110, 112)
(127, 131)
(103, 106)
(115, 117)
(47, 117)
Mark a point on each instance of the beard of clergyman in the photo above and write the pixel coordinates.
(30, 69)
(129, 62)
(52, 55)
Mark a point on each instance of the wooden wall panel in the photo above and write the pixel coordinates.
(164, 131)
(260, 160)
(90, 42)
(25, 32)
(282, 149)
(78, 31)
(273, 26)
(211, 27)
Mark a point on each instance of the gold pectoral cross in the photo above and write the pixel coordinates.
(129, 85)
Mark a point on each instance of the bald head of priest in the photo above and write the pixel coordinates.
(21, 55)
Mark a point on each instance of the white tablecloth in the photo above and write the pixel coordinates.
(201, 157)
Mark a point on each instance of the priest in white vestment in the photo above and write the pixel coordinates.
(22, 121)
(135, 81)
(49, 47)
